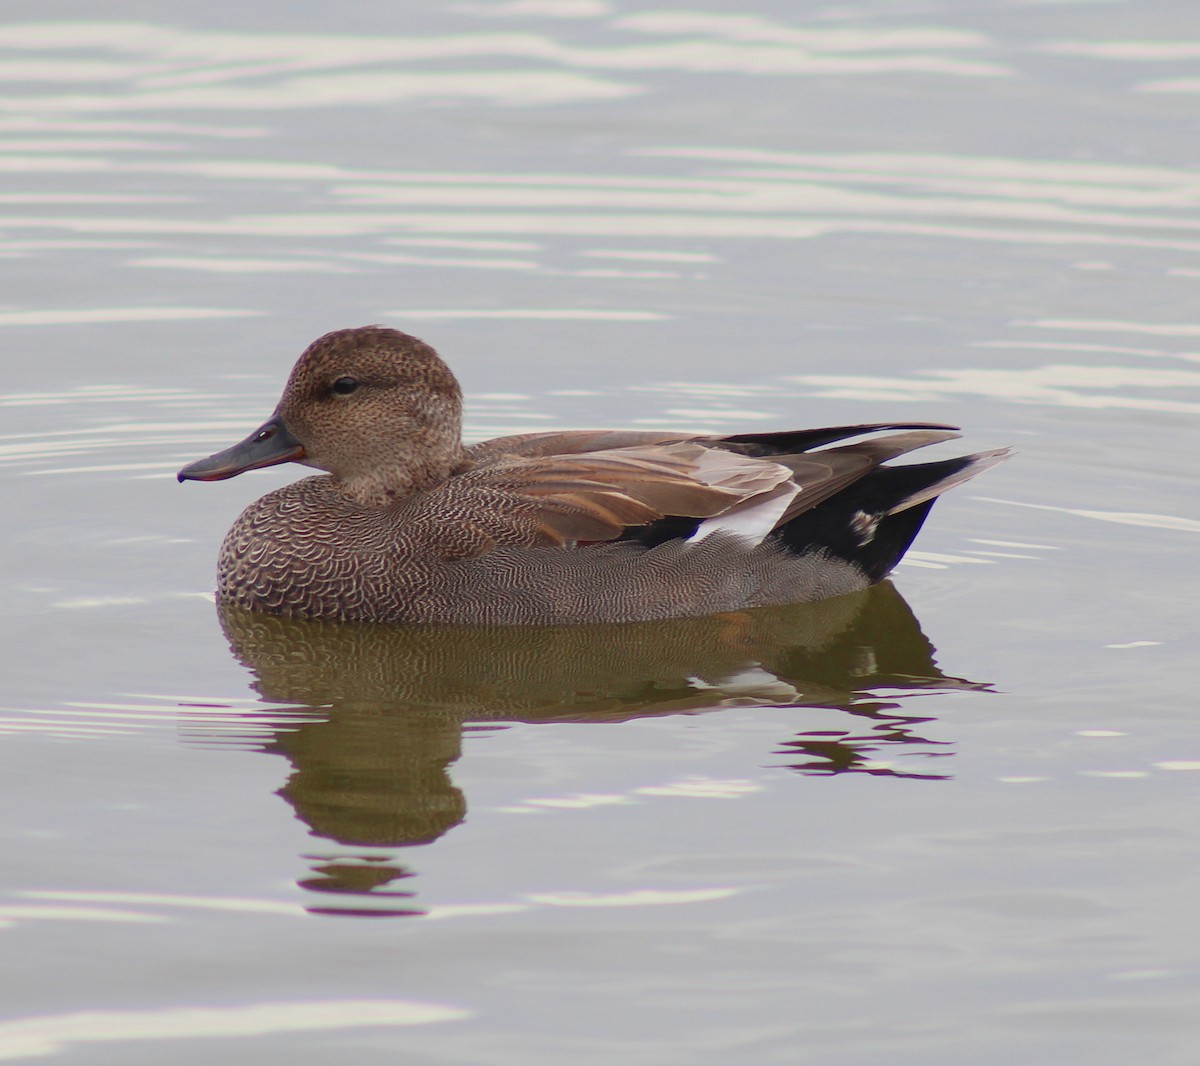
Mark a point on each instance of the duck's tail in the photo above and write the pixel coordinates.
(873, 522)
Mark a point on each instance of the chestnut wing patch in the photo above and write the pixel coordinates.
(593, 496)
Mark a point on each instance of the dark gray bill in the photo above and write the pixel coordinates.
(271, 443)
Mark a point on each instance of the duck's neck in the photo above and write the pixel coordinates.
(386, 485)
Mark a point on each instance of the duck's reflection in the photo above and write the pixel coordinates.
(371, 772)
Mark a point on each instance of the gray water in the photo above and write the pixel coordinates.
(948, 821)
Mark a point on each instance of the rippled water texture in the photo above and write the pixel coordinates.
(947, 821)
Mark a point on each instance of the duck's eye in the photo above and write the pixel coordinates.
(345, 386)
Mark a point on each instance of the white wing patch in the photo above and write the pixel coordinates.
(754, 519)
(766, 488)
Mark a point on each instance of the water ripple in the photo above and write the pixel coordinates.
(1061, 385)
(786, 196)
(41, 1035)
(147, 67)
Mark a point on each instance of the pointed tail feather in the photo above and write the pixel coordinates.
(970, 466)
(873, 522)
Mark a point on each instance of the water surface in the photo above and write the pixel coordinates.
(945, 821)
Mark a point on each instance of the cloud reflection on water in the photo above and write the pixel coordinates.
(138, 66)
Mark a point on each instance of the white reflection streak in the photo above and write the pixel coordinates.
(459, 242)
(638, 897)
(686, 788)
(443, 261)
(702, 788)
(78, 198)
(737, 27)
(369, 88)
(1140, 51)
(95, 315)
(676, 226)
(550, 313)
(59, 729)
(774, 192)
(649, 256)
(440, 912)
(51, 1033)
(915, 556)
(1058, 385)
(582, 801)
(70, 124)
(642, 897)
(217, 265)
(213, 903)
(102, 468)
(1155, 329)
(1179, 194)
(1170, 85)
(95, 721)
(1102, 349)
(171, 68)
(1016, 544)
(979, 176)
(1121, 518)
(559, 9)
(982, 169)
(88, 602)
(10, 914)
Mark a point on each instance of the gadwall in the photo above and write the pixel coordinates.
(411, 525)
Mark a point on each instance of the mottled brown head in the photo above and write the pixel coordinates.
(376, 408)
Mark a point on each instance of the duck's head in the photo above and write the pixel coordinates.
(374, 407)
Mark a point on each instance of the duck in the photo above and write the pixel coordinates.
(407, 524)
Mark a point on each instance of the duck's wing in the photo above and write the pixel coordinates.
(591, 496)
(758, 445)
(644, 486)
